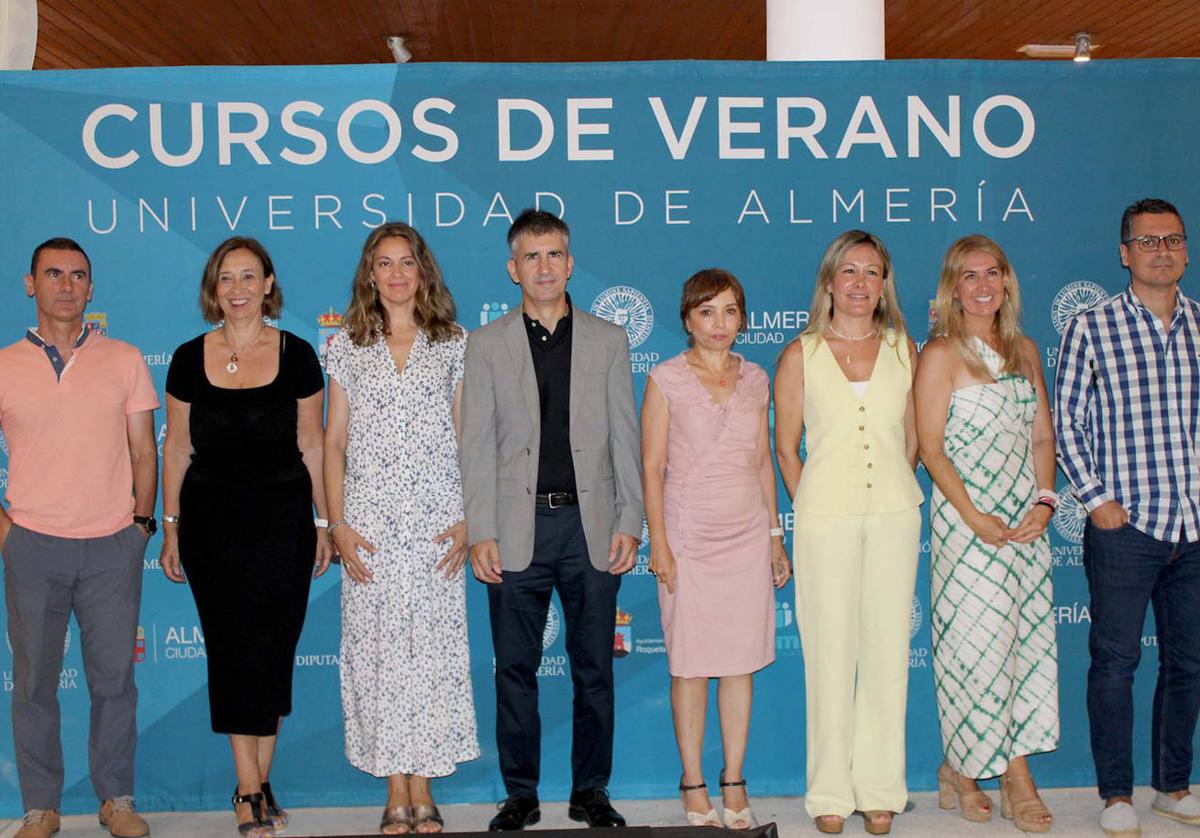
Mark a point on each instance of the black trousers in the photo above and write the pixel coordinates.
(518, 607)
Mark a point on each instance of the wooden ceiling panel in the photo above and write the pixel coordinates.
(123, 33)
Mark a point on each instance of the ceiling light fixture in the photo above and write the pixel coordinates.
(399, 52)
(1083, 47)
(1081, 50)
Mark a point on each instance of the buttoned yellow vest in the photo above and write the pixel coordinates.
(856, 462)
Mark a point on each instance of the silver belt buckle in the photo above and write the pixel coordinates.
(550, 500)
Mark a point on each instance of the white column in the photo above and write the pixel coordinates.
(18, 34)
(824, 30)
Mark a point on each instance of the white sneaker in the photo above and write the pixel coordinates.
(1120, 820)
(1185, 810)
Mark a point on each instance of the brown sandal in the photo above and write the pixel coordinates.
(973, 805)
(829, 824)
(877, 821)
(1031, 814)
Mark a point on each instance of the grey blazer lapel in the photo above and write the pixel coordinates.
(516, 338)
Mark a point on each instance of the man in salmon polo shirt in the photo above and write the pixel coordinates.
(77, 410)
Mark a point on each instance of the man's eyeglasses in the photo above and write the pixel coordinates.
(1149, 244)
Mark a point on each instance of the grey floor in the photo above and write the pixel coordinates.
(1075, 810)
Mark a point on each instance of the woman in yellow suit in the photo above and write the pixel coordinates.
(846, 385)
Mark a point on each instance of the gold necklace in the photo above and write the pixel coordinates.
(869, 334)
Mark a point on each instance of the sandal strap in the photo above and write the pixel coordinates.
(684, 787)
(729, 783)
(269, 796)
(254, 799)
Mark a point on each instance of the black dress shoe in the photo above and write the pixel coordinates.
(516, 813)
(592, 806)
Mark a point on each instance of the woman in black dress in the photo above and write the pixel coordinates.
(241, 475)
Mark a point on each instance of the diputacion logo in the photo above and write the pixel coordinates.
(97, 321)
(623, 634)
(1073, 298)
(628, 308)
(327, 326)
(492, 311)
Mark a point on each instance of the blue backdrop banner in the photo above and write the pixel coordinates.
(660, 169)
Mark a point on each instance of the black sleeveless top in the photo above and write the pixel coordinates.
(245, 436)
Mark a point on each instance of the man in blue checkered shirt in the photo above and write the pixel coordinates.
(1126, 417)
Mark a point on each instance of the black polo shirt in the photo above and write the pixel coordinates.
(551, 353)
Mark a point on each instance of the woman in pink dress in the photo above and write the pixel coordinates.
(715, 544)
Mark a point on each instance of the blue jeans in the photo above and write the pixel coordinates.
(1125, 570)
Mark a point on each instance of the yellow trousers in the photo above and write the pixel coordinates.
(855, 576)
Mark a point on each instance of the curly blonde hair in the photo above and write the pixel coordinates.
(366, 319)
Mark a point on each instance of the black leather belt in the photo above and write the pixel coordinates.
(553, 500)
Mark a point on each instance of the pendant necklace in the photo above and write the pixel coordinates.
(869, 334)
(232, 366)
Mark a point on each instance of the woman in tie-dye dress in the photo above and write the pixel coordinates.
(985, 433)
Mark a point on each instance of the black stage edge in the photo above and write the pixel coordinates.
(765, 831)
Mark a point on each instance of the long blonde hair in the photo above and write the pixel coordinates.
(887, 313)
(366, 318)
(948, 313)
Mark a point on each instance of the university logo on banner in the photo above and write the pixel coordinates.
(1072, 299)
(328, 325)
(916, 617)
(628, 308)
(3, 444)
(66, 641)
(553, 625)
(492, 311)
(1070, 518)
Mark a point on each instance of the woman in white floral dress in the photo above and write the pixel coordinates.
(395, 504)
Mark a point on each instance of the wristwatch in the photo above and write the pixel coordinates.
(147, 523)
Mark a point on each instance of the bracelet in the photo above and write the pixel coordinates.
(320, 522)
(1050, 495)
(775, 531)
(170, 519)
(1046, 502)
(333, 525)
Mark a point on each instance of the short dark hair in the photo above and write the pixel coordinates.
(1151, 206)
(702, 286)
(272, 303)
(536, 222)
(58, 243)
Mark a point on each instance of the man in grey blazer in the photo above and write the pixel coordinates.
(551, 472)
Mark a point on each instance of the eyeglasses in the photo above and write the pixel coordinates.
(1149, 244)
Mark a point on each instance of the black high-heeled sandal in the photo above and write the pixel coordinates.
(277, 816)
(260, 827)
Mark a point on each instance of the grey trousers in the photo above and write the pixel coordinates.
(100, 579)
